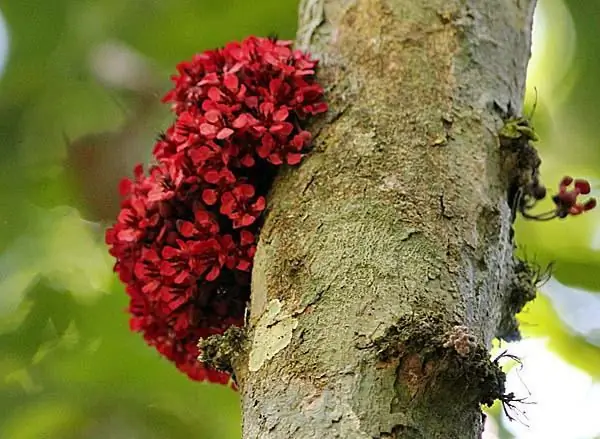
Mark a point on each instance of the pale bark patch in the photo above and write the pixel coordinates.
(273, 333)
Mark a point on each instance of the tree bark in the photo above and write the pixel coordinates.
(394, 235)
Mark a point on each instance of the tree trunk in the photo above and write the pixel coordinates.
(393, 239)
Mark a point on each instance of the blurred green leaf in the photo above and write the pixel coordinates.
(82, 354)
(44, 419)
(576, 273)
(565, 244)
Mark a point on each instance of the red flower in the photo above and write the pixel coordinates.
(218, 182)
(566, 200)
(245, 251)
(239, 206)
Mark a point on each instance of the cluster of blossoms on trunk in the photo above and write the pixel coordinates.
(185, 237)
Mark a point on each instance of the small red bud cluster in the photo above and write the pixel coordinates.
(566, 201)
(185, 237)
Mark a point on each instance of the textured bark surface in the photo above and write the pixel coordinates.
(393, 230)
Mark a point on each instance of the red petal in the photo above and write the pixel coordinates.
(181, 277)
(213, 274)
(281, 114)
(211, 177)
(266, 108)
(138, 171)
(167, 269)
(177, 302)
(304, 72)
(244, 265)
(227, 203)
(575, 210)
(260, 204)
(236, 67)
(227, 242)
(241, 121)
(583, 186)
(246, 237)
(247, 220)
(151, 286)
(247, 190)
(210, 78)
(125, 186)
(170, 252)
(125, 216)
(566, 181)
(199, 155)
(213, 116)
(215, 94)
(136, 323)
(276, 159)
(227, 176)
(589, 204)
(293, 158)
(170, 96)
(263, 151)
(202, 217)
(231, 82)
(247, 161)
(140, 271)
(301, 139)
(186, 228)
(128, 235)
(150, 255)
(209, 196)
(224, 133)
(251, 101)
(271, 59)
(275, 85)
(268, 141)
(231, 262)
(282, 129)
(320, 107)
(208, 130)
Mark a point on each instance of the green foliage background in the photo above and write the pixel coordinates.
(69, 367)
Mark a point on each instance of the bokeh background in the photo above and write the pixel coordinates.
(80, 88)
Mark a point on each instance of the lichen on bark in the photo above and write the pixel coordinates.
(399, 214)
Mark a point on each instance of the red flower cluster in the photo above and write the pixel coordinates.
(185, 238)
(566, 200)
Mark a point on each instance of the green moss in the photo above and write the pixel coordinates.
(518, 128)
